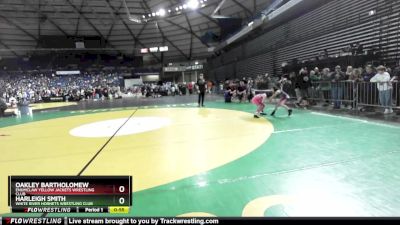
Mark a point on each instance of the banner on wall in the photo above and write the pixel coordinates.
(182, 68)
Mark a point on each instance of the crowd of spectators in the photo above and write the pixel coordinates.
(344, 87)
(338, 87)
(160, 89)
(16, 88)
(38, 87)
(242, 90)
(331, 86)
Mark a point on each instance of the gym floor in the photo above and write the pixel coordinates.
(213, 161)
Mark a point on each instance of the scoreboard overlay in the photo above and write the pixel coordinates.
(70, 194)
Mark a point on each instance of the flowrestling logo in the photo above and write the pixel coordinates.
(48, 210)
(119, 221)
(34, 221)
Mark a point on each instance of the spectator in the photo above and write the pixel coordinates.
(326, 85)
(317, 72)
(384, 85)
(370, 96)
(348, 88)
(337, 87)
(241, 91)
(315, 76)
(292, 79)
(190, 88)
(182, 89)
(250, 92)
(229, 93)
(173, 91)
(355, 76)
(3, 106)
(353, 90)
(396, 84)
(209, 86)
(262, 82)
(303, 82)
(349, 72)
(369, 73)
(221, 87)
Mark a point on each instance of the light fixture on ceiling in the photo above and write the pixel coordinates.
(161, 12)
(135, 19)
(193, 4)
(189, 4)
(372, 12)
(163, 48)
(153, 49)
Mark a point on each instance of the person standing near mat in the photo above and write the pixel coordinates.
(384, 85)
(201, 83)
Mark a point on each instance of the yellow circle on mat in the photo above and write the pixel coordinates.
(196, 140)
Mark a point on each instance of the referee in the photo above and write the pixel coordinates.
(201, 83)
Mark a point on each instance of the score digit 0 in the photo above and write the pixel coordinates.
(121, 200)
(121, 189)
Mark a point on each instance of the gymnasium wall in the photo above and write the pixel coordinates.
(332, 26)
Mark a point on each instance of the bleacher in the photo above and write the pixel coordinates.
(332, 26)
